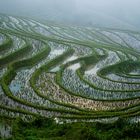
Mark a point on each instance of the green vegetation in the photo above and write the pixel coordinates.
(47, 129)
(64, 82)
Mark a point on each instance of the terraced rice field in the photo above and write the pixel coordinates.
(67, 73)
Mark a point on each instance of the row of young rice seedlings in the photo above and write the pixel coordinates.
(18, 43)
(130, 40)
(47, 87)
(114, 37)
(13, 104)
(72, 81)
(20, 85)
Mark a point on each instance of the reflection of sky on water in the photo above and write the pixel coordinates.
(15, 87)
